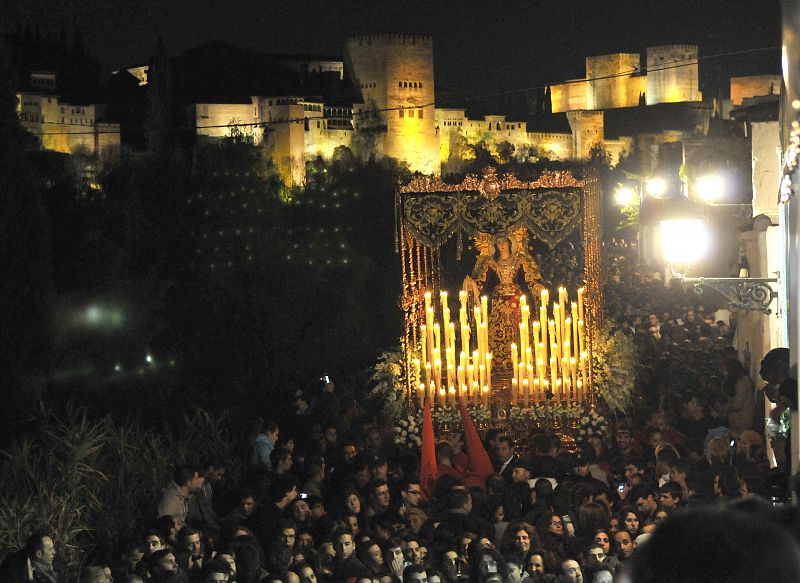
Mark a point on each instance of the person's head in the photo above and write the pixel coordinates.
(625, 542)
(550, 523)
(459, 500)
(594, 554)
(216, 571)
(153, 541)
(163, 563)
(299, 509)
(505, 448)
(410, 491)
(415, 518)
(247, 502)
(662, 514)
(343, 543)
(286, 532)
(189, 478)
(629, 520)
(523, 535)
(369, 552)
(374, 439)
(707, 545)
(571, 571)
(271, 431)
(415, 573)
(515, 563)
(413, 550)
(190, 540)
(378, 466)
(281, 460)
(93, 574)
(634, 466)
(536, 564)
(488, 565)
(644, 499)
(348, 451)
(378, 494)
(623, 437)
(520, 472)
(40, 547)
(306, 574)
(352, 501)
(670, 495)
(214, 469)
(775, 366)
(603, 538)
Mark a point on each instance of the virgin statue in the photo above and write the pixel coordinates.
(505, 255)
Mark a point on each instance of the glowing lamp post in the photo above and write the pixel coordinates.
(685, 241)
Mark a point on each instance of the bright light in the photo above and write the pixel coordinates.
(710, 187)
(625, 196)
(117, 367)
(656, 187)
(684, 241)
(94, 314)
(149, 359)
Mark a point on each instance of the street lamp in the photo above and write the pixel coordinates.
(656, 186)
(711, 188)
(686, 240)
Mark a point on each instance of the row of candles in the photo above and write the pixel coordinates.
(552, 354)
(442, 375)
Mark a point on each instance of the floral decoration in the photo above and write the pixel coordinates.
(592, 424)
(408, 431)
(389, 391)
(615, 362)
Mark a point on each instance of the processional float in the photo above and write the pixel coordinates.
(523, 344)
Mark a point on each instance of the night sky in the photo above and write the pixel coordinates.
(481, 47)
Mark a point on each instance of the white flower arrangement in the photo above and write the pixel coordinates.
(519, 414)
(445, 414)
(592, 424)
(389, 391)
(573, 411)
(615, 361)
(408, 431)
(779, 430)
(479, 413)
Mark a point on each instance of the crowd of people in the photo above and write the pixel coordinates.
(329, 497)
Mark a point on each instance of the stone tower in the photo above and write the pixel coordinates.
(394, 74)
(588, 129)
(672, 74)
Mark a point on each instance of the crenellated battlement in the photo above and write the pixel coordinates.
(392, 39)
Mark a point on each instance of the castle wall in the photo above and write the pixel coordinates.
(552, 145)
(754, 86)
(213, 120)
(588, 129)
(672, 74)
(70, 129)
(395, 73)
(609, 80)
(570, 95)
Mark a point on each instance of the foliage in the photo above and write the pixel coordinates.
(615, 361)
(90, 481)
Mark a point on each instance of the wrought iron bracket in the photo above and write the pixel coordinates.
(748, 294)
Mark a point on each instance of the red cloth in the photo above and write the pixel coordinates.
(480, 466)
(427, 468)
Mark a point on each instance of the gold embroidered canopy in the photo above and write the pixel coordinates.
(549, 208)
(550, 214)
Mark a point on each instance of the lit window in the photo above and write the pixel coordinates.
(410, 113)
